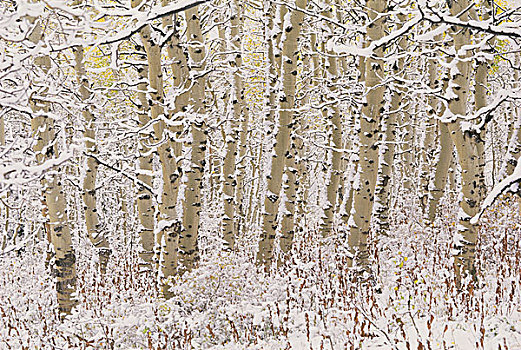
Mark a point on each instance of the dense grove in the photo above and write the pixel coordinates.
(259, 174)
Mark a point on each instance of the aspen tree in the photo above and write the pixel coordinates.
(188, 248)
(290, 193)
(407, 149)
(181, 82)
(293, 173)
(292, 25)
(428, 149)
(513, 149)
(387, 150)
(443, 159)
(278, 36)
(168, 228)
(245, 122)
(145, 169)
(332, 114)
(372, 110)
(302, 127)
(93, 225)
(352, 177)
(271, 76)
(294, 170)
(469, 148)
(514, 144)
(45, 147)
(271, 69)
(145, 172)
(480, 95)
(273, 34)
(351, 169)
(232, 189)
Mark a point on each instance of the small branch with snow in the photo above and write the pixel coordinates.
(498, 190)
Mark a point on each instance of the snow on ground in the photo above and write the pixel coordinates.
(309, 303)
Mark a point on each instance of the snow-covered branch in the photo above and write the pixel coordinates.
(502, 187)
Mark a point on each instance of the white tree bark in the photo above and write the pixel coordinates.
(168, 226)
(94, 228)
(292, 26)
(188, 248)
(180, 76)
(387, 149)
(232, 189)
(370, 120)
(145, 171)
(352, 171)
(428, 146)
(332, 114)
(45, 147)
(469, 146)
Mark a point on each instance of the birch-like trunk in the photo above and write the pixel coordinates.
(144, 174)
(180, 77)
(168, 226)
(352, 171)
(145, 169)
(407, 149)
(292, 27)
(443, 160)
(93, 225)
(428, 146)
(334, 118)
(290, 193)
(387, 150)
(232, 188)
(45, 148)
(514, 148)
(302, 126)
(372, 109)
(188, 248)
(469, 145)
(513, 151)
(244, 120)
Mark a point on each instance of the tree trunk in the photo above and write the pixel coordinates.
(180, 77)
(352, 171)
(188, 248)
(469, 145)
(334, 118)
(45, 148)
(145, 172)
(94, 228)
(292, 28)
(372, 109)
(232, 189)
(428, 146)
(387, 150)
(443, 162)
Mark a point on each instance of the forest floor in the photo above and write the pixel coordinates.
(309, 303)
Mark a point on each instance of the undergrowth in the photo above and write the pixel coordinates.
(310, 302)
